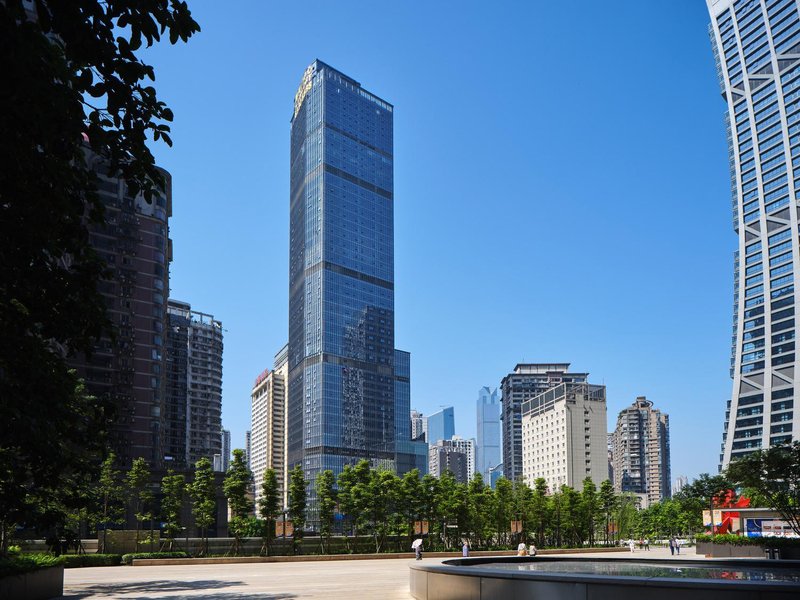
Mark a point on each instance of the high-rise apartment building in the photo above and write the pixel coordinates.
(128, 370)
(488, 443)
(341, 356)
(194, 375)
(226, 449)
(441, 425)
(247, 448)
(468, 447)
(445, 455)
(268, 425)
(755, 45)
(527, 381)
(419, 426)
(565, 436)
(640, 452)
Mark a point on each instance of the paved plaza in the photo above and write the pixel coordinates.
(384, 579)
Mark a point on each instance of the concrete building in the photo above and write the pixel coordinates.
(469, 448)
(445, 455)
(128, 369)
(247, 448)
(489, 441)
(564, 436)
(194, 342)
(268, 426)
(226, 449)
(681, 481)
(419, 426)
(527, 381)
(755, 47)
(441, 425)
(641, 453)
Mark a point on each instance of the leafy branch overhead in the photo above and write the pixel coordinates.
(71, 77)
(99, 41)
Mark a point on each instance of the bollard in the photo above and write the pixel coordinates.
(776, 553)
(768, 553)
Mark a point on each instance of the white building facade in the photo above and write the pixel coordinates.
(564, 436)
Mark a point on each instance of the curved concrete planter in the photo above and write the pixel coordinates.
(36, 585)
(459, 579)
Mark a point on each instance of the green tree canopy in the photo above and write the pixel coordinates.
(71, 74)
(775, 474)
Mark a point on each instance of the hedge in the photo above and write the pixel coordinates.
(129, 558)
(72, 561)
(741, 540)
(17, 565)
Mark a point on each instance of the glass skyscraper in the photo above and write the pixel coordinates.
(343, 375)
(488, 432)
(441, 425)
(756, 46)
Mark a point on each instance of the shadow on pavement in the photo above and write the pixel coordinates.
(143, 590)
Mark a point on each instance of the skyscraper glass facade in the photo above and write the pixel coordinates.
(441, 425)
(756, 46)
(488, 451)
(342, 376)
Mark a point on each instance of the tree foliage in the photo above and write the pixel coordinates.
(202, 491)
(71, 74)
(326, 503)
(775, 474)
(269, 507)
(173, 493)
(297, 500)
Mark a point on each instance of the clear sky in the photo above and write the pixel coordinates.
(561, 193)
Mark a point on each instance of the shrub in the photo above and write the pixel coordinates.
(17, 565)
(129, 558)
(72, 561)
(740, 540)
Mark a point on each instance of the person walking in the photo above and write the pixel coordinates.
(672, 546)
(631, 544)
(647, 544)
(416, 546)
(678, 546)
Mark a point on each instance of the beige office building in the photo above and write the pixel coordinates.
(564, 436)
(268, 426)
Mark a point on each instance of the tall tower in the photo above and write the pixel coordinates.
(488, 451)
(756, 46)
(127, 368)
(341, 354)
(640, 451)
(194, 390)
(527, 381)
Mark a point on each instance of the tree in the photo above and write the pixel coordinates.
(110, 498)
(297, 501)
(608, 503)
(775, 474)
(70, 70)
(235, 486)
(591, 508)
(326, 501)
(204, 506)
(708, 489)
(141, 497)
(269, 507)
(538, 509)
(173, 492)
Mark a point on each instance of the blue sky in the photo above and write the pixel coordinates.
(561, 193)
